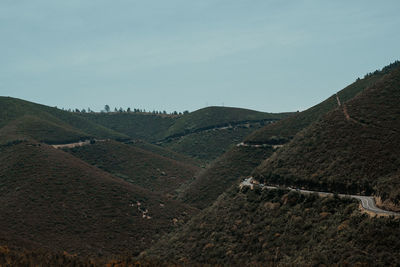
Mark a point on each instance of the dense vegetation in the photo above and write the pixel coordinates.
(274, 227)
(64, 204)
(353, 149)
(137, 166)
(222, 173)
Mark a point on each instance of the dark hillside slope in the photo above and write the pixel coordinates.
(355, 148)
(137, 166)
(284, 130)
(61, 203)
(48, 124)
(222, 173)
(277, 228)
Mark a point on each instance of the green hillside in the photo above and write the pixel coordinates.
(47, 124)
(135, 165)
(277, 228)
(354, 148)
(61, 203)
(284, 130)
(149, 127)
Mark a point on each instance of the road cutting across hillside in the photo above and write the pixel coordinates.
(78, 144)
(367, 202)
(243, 144)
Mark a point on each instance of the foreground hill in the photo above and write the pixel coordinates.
(274, 227)
(354, 149)
(284, 130)
(135, 165)
(23, 119)
(61, 203)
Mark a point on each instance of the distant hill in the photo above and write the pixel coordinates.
(211, 117)
(278, 228)
(135, 165)
(284, 130)
(61, 203)
(354, 148)
(221, 174)
(208, 145)
(165, 152)
(204, 134)
(23, 119)
(148, 127)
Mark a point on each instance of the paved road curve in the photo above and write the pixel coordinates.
(367, 202)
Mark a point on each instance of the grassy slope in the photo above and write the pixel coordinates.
(284, 130)
(64, 204)
(272, 227)
(213, 116)
(47, 124)
(222, 173)
(344, 155)
(137, 166)
(148, 127)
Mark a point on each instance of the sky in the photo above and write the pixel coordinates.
(267, 55)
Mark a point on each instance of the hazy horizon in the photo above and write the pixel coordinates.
(269, 56)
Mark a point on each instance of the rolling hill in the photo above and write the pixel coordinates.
(61, 203)
(207, 186)
(208, 145)
(23, 119)
(144, 126)
(284, 130)
(137, 166)
(204, 134)
(354, 148)
(214, 117)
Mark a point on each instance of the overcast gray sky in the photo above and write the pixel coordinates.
(268, 55)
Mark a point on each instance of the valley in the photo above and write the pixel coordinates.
(216, 186)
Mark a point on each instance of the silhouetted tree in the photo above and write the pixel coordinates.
(107, 108)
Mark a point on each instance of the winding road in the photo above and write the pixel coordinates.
(367, 202)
